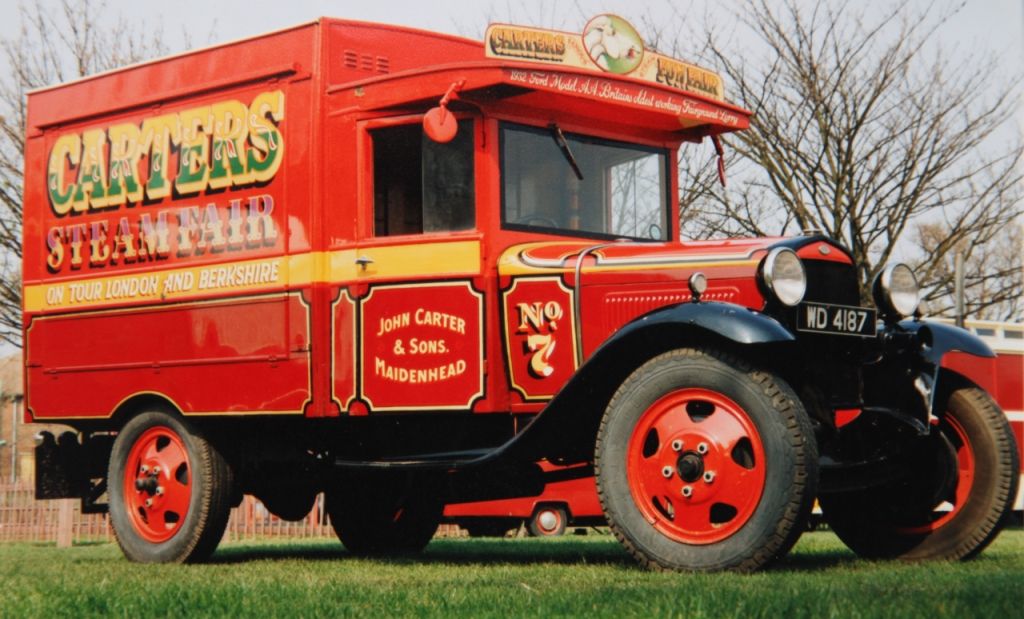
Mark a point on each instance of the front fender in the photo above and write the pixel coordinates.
(937, 339)
(567, 426)
(916, 350)
(732, 322)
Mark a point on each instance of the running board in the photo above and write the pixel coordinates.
(451, 460)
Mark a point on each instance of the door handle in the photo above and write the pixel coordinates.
(364, 261)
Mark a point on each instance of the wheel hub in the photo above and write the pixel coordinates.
(147, 483)
(548, 520)
(690, 466)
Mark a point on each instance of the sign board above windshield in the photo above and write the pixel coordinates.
(609, 44)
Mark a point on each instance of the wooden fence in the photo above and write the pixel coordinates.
(24, 519)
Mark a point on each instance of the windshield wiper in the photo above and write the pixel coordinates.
(563, 145)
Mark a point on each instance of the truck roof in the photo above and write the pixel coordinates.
(344, 55)
(363, 48)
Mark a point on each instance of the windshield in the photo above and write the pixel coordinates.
(582, 186)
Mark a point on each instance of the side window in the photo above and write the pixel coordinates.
(420, 185)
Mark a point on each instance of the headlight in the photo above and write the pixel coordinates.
(896, 290)
(784, 276)
(698, 283)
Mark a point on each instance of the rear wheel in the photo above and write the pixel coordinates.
(170, 491)
(547, 521)
(955, 495)
(704, 463)
(378, 515)
(288, 502)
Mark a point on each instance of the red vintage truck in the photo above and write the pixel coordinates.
(402, 268)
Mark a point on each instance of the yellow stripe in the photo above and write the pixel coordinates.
(518, 268)
(166, 285)
(248, 276)
(418, 260)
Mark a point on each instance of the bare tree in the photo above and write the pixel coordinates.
(863, 129)
(56, 42)
(993, 277)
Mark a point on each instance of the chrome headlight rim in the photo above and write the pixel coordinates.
(892, 301)
(698, 284)
(790, 298)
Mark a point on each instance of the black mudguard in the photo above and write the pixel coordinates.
(909, 369)
(732, 322)
(937, 339)
(568, 424)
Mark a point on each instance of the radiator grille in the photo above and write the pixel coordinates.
(831, 282)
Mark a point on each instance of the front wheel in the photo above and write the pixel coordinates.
(704, 463)
(170, 491)
(953, 498)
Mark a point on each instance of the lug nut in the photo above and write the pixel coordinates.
(687, 491)
(709, 476)
(677, 445)
(144, 468)
(156, 470)
(702, 448)
(149, 502)
(667, 472)
(160, 489)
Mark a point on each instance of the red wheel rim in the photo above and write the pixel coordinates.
(157, 484)
(956, 434)
(695, 466)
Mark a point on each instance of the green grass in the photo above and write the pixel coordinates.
(574, 576)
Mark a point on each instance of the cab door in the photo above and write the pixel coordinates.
(419, 256)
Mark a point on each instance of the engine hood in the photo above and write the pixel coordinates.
(547, 258)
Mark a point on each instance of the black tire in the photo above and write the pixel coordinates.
(900, 519)
(547, 521)
(378, 515)
(751, 511)
(291, 504)
(193, 478)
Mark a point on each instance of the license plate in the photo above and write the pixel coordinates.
(836, 319)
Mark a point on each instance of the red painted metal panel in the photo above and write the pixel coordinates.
(981, 371)
(176, 77)
(207, 358)
(578, 495)
(421, 346)
(1010, 381)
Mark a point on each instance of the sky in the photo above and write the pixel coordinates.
(984, 28)
(992, 25)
